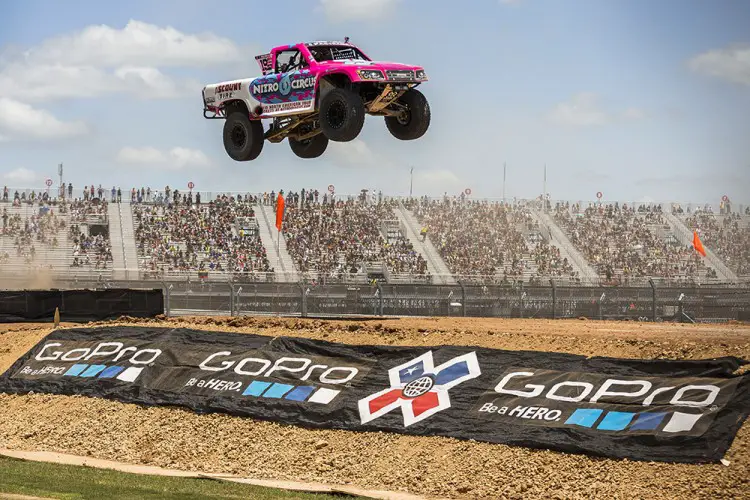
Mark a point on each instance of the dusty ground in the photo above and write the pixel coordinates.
(434, 466)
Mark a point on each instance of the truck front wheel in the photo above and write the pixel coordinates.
(342, 115)
(414, 121)
(243, 137)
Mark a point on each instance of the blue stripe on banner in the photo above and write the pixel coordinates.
(584, 417)
(615, 421)
(647, 421)
(75, 370)
(277, 390)
(300, 393)
(93, 370)
(111, 372)
(256, 388)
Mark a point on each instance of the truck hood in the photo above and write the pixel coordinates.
(381, 65)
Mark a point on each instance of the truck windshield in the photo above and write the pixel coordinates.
(335, 53)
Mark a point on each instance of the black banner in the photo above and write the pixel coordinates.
(79, 305)
(677, 411)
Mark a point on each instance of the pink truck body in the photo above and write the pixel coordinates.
(315, 93)
(296, 91)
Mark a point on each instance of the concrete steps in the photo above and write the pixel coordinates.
(685, 236)
(435, 263)
(278, 256)
(557, 237)
(127, 233)
(115, 239)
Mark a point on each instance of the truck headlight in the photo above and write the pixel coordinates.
(370, 74)
(421, 75)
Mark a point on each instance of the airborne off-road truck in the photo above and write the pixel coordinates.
(316, 92)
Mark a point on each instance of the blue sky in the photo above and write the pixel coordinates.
(641, 100)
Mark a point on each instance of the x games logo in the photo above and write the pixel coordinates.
(419, 388)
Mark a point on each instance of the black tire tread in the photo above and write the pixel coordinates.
(355, 115)
(420, 117)
(256, 137)
(313, 149)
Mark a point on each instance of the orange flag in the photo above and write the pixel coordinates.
(279, 211)
(697, 244)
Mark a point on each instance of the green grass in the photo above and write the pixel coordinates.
(49, 480)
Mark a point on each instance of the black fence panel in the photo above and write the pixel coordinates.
(79, 305)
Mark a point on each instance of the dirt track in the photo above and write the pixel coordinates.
(432, 466)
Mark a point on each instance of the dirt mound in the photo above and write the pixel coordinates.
(435, 466)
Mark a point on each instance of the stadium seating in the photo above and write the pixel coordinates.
(219, 236)
(347, 238)
(177, 233)
(622, 242)
(490, 239)
(42, 234)
(727, 235)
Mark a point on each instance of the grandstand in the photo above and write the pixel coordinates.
(54, 237)
(173, 235)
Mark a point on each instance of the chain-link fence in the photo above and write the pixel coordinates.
(649, 303)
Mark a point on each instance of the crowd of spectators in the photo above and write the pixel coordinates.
(38, 221)
(26, 233)
(90, 250)
(728, 235)
(178, 231)
(483, 238)
(622, 242)
(336, 237)
(177, 234)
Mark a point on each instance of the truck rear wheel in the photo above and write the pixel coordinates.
(342, 115)
(243, 137)
(415, 120)
(309, 148)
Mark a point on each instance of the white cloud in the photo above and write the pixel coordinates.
(438, 180)
(49, 82)
(352, 154)
(21, 177)
(100, 60)
(138, 43)
(581, 110)
(357, 154)
(634, 114)
(150, 83)
(730, 63)
(339, 11)
(20, 121)
(177, 158)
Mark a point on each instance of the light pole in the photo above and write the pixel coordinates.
(411, 181)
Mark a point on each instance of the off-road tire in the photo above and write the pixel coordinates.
(309, 148)
(415, 121)
(243, 137)
(342, 115)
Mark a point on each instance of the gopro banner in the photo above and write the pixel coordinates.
(677, 411)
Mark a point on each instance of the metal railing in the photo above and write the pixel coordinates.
(653, 302)
(12, 272)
